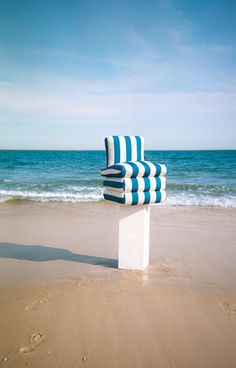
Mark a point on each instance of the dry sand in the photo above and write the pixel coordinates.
(64, 303)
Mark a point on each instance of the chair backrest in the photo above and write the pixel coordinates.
(124, 148)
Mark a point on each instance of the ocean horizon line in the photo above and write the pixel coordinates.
(102, 150)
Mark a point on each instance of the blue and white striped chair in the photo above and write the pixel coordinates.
(130, 179)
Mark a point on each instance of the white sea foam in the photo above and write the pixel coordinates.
(92, 194)
(82, 195)
(183, 199)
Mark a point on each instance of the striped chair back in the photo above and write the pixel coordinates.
(124, 148)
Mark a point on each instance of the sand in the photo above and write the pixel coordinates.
(64, 303)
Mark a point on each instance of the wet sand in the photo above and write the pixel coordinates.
(64, 303)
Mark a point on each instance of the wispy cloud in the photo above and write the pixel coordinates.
(80, 103)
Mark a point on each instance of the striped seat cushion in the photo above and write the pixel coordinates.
(137, 169)
(135, 198)
(124, 148)
(135, 184)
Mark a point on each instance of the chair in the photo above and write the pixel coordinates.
(129, 179)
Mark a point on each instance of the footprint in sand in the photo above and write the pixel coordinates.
(170, 267)
(5, 358)
(133, 274)
(228, 308)
(35, 339)
(40, 300)
(86, 281)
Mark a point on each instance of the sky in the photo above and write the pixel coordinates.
(73, 72)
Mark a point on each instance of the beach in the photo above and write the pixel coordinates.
(64, 303)
(117, 184)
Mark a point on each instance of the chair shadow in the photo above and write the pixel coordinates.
(39, 253)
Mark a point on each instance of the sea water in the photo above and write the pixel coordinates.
(196, 178)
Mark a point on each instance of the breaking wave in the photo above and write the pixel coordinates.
(93, 194)
(82, 195)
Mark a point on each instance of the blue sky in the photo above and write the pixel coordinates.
(72, 72)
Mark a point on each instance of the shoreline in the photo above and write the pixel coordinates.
(28, 200)
(4, 205)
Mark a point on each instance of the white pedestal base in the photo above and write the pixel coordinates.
(134, 228)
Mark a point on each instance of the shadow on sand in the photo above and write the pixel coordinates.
(39, 253)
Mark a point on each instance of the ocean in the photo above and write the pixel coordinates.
(195, 178)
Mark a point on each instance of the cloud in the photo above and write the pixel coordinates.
(80, 105)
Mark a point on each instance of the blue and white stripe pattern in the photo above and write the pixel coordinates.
(129, 179)
(135, 184)
(135, 198)
(124, 148)
(137, 169)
